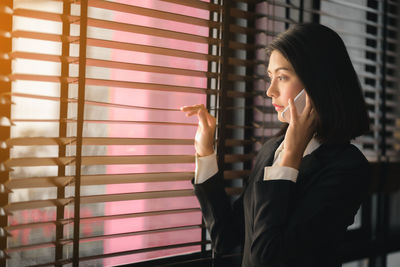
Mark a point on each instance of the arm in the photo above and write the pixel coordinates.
(224, 221)
(321, 215)
(206, 167)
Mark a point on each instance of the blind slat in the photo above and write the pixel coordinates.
(43, 78)
(231, 158)
(243, 30)
(135, 215)
(29, 247)
(237, 13)
(236, 94)
(33, 182)
(36, 204)
(101, 218)
(29, 226)
(105, 122)
(243, 62)
(111, 83)
(151, 49)
(44, 36)
(114, 64)
(100, 160)
(136, 196)
(246, 78)
(94, 103)
(152, 31)
(39, 141)
(148, 86)
(238, 142)
(243, 46)
(196, 4)
(116, 45)
(145, 232)
(149, 68)
(99, 179)
(136, 178)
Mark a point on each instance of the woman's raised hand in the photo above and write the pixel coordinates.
(300, 131)
(204, 139)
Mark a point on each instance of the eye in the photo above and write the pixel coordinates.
(267, 81)
(282, 78)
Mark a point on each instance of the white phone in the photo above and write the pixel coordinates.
(299, 102)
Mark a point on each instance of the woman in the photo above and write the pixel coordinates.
(308, 182)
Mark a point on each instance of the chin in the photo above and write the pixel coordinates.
(280, 117)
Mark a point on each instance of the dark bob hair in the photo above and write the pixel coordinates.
(320, 59)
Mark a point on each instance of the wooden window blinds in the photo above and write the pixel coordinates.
(96, 157)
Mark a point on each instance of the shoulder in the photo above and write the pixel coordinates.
(344, 163)
(342, 154)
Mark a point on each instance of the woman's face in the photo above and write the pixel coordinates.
(284, 82)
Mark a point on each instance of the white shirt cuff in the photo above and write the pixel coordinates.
(280, 173)
(206, 167)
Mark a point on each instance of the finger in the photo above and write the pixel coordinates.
(192, 107)
(308, 107)
(314, 118)
(211, 120)
(195, 110)
(190, 110)
(191, 113)
(202, 114)
(292, 110)
(313, 114)
(186, 108)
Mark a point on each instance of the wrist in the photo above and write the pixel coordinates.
(205, 153)
(291, 160)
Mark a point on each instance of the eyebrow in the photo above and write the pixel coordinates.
(280, 68)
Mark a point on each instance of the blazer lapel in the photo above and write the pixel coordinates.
(266, 156)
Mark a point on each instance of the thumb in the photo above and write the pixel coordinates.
(211, 120)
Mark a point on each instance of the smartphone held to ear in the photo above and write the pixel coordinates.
(299, 102)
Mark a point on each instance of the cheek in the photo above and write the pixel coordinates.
(291, 92)
(286, 95)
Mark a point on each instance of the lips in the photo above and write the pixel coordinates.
(277, 107)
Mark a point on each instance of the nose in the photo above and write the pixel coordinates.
(272, 91)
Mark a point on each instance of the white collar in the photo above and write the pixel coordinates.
(311, 146)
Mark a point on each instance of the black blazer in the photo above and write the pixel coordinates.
(282, 223)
